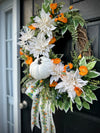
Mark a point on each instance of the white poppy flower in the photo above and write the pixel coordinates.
(69, 82)
(40, 45)
(26, 36)
(56, 72)
(44, 23)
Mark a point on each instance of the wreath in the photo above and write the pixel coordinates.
(48, 81)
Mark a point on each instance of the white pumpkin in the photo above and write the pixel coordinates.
(41, 68)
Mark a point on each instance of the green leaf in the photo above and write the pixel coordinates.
(63, 31)
(53, 108)
(93, 87)
(91, 65)
(86, 105)
(90, 94)
(76, 23)
(71, 105)
(92, 74)
(78, 100)
(79, 107)
(88, 99)
(66, 106)
(82, 61)
(60, 103)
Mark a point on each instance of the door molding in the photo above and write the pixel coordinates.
(4, 7)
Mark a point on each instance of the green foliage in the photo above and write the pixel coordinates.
(78, 101)
(92, 74)
(79, 107)
(82, 61)
(86, 105)
(75, 59)
(46, 5)
(66, 105)
(90, 65)
(90, 94)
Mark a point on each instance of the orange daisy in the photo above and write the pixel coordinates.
(83, 70)
(29, 60)
(53, 6)
(70, 66)
(56, 60)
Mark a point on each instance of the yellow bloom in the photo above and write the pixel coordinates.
(71, 7)
(80, 56)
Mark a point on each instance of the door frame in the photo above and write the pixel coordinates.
(13, 5)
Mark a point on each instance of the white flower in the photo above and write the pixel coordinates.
(69, 82)
(40, 45)
(57, 72)
(44, 23)
(26, 36)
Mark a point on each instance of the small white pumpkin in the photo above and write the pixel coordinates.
(41, 68)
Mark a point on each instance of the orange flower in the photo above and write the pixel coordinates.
(53, 6)
(32, 27)
(53, 40)
(71, 7)
(56, 19)
(70, 66)
(41, 81)
(20, 52)
(83, 70)
(32, 123)
(29, 60)
(61, 18)
(34, 107)
(32, 86)
(56, 60)
(78, 91)
(53, 84)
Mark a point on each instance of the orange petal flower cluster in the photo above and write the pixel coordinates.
(78, 91)
(70, 66)
(29, 60)
(71, 7)
(32, 27)
(53, 6)
(61, 18)
(56, 60)
(20, 52)
(53, 84)
(53, 40)
(83, 70)
(41, 81)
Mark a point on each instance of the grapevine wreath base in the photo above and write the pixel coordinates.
(49, 81)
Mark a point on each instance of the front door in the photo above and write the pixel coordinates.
(9, 89)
